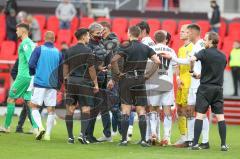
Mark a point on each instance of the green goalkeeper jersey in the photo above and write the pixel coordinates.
(24, 53)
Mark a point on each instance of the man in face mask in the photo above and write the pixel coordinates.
(98, 48)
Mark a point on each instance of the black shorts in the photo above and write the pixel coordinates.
(79, 91)
(209, 95)
(133, 91)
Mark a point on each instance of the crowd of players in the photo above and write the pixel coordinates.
(100, 75)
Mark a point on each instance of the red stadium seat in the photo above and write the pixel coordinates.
(182, 22)
(134, 21)
(223, 29)
(119, 23)
(205, 26)
(124, 37)
(176, 43)
(8, 50)
(6, 78)
(41, 20)
(53, 24)
(227, 46)
(57, 45)
(220, 43)
(74, 24)
(154, 25)
(170, 26)
(2, 28)
(64, 36)
(2, 33)
(234, 30)
(85, 22)
(74, 40)
(3, 95)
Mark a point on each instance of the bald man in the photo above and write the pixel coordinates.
(43, 64)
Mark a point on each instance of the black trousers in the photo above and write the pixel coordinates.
(236, 78)
(101, 107)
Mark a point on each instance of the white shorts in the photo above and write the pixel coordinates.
(192, 96)
(163, 99)
(48, 96)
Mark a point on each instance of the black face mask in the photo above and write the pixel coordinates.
(96, 38)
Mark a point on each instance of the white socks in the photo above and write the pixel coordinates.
(153, 122)
(148, 130)
(167, 126)
(130, 129)
(158, 128)
(190, 128)
(37, 118)
(205, 130)
(50, 123)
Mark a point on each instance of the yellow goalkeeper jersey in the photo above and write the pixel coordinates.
(185, 76)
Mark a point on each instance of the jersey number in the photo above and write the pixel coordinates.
(164, 63)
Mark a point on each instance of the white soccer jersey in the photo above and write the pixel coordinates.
(166, 67)
(165, 73)
(197, 65)
(148, 41)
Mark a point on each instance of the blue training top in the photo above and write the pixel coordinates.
(44, 63)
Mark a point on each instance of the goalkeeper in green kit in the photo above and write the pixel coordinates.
(19, 88)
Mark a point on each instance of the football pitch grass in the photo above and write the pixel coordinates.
(24, 146)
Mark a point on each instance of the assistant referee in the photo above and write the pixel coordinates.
(210, 91)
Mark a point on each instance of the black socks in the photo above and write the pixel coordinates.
(69, 125)
(124, 126)
(143, 126)
(197, 131)
(222, 131)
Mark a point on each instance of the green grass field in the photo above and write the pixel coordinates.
(23, 146)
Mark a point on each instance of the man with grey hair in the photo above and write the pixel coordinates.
(98, 48)
(65, 12)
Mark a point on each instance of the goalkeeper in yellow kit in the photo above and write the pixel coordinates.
(183, 83)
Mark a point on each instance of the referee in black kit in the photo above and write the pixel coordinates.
(210, 91)
(132, 79)
(80, 83)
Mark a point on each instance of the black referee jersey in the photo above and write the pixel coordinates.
(135, 56)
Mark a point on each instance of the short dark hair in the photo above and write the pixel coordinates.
(194, 27)
(135, 31)
(105, 24)
(214, 37)
(23, 25)
(213, 1)
(80, 33)
(144, 25)
(160, 36)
